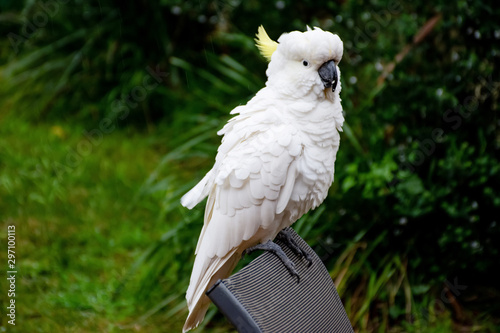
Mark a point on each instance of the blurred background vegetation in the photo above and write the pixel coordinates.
(109, 112)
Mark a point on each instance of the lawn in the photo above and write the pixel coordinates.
(80, 225)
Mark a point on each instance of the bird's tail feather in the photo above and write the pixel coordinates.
(206, 272)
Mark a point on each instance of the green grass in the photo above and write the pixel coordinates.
(78, 231)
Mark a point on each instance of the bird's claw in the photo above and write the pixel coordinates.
(292, 270)
(277, 251)
(286, 237)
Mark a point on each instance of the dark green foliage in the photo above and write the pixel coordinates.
(415, 203)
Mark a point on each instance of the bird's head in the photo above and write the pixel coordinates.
(301, 63)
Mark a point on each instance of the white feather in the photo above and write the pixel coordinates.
(275, 162)
(197, 193)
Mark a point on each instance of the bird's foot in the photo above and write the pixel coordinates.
(277, 251)
(287, 238)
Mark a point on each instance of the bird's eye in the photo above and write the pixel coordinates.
(305, 63)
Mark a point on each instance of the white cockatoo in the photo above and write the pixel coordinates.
(276, 160)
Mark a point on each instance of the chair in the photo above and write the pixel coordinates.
(263, 297)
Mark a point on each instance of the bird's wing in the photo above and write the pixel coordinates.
(251, 119)
(252, 184)
(252, 187)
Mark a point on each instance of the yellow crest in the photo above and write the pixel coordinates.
(266, 45)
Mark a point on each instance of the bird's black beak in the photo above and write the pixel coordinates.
(328, 74)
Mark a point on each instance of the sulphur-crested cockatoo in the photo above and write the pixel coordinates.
(276, 160)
